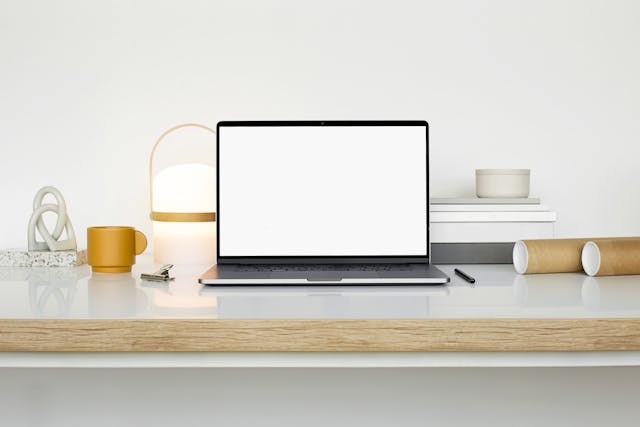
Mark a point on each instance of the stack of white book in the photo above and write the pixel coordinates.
(484, 230)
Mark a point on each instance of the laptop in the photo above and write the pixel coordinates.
(323, 203)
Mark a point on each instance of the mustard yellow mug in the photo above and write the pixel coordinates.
(113, 249)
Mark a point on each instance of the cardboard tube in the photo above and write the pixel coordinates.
(611, 257)
(548, 256)
(553, 255)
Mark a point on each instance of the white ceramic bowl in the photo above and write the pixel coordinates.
(502, 182)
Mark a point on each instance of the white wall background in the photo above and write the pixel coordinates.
(87, 86)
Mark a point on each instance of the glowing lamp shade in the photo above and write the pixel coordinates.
(183, 204)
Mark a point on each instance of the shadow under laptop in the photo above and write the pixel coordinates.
(327, 302)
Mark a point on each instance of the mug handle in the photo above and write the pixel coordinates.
(141, 242)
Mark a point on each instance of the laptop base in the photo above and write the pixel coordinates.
(369, 274)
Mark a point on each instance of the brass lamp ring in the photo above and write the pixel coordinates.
(183, 216)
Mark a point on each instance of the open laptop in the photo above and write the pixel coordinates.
(323, 202)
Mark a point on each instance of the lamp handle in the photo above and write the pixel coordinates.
(175, 216)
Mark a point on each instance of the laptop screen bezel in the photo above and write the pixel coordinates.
(303, 259)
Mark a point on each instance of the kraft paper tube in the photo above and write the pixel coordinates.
(553, 255)
(611, 257)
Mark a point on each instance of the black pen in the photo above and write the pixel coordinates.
(464, 275)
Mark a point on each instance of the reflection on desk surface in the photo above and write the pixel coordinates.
(498, 292)
(324, 301)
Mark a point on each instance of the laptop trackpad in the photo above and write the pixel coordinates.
(323, 277)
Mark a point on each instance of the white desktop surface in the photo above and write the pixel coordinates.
(499, 292)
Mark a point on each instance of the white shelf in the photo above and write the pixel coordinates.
(319, 360)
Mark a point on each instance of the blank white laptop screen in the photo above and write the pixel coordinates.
(322, 191)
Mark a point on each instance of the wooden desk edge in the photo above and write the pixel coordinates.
(322, 335)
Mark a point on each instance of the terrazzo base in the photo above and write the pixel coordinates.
(25, 258)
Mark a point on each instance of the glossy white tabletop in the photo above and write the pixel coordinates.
(498, 292)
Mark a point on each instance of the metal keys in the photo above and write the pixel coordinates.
(162, 275)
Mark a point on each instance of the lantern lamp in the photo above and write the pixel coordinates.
(183, 204)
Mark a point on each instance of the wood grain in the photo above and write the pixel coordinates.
(319, 335)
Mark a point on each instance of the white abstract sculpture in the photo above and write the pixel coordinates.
(51, 240)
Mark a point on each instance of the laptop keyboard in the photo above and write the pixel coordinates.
(322, 267)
